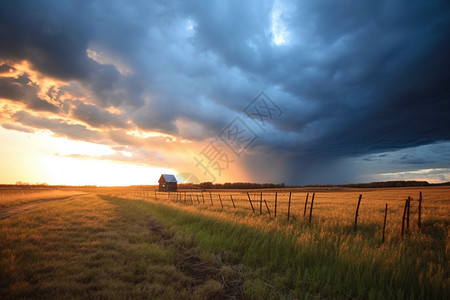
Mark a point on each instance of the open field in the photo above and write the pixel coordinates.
(333, 208)
(12, 195)
(138, 243)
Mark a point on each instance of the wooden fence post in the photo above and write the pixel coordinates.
(419, 221)
(250, 200)
(407, 214)
(403, 218)
(275, 213)
(357, 210)
(384, 223)
(203, 198)
(260, 204)
(306, 203)
(267, 206)
(210, 196)
(221, 204)
(289, 205)
(232, 201)
(197, 199)
(311, 208)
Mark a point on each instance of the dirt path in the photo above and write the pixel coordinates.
(17, 209)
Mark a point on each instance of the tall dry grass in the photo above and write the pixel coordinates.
(104, 247)
(95, 248)
(328, 251)
(18, 196)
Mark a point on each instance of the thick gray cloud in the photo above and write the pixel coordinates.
(96, 117)
(21, 89)
(58, 126)
(353, 78)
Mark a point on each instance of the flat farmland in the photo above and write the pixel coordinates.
(332, 207)
(136, 242)
(18, 195)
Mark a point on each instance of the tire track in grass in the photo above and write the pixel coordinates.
(10, 211)
(216, 280)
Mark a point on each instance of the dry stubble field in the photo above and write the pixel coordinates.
(135, 243)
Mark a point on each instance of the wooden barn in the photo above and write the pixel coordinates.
(167, 183)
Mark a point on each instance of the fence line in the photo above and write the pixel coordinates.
(290, 200)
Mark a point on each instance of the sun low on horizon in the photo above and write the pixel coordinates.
(36, 163)
(118, 93)
(41, 157)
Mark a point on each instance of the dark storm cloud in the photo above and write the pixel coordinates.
(359, 78)
(54, 37)
(96, 117)
(385, 83)
(354, 78)
(23, 90)
(47, 34)
(58, 126)
(4, 68)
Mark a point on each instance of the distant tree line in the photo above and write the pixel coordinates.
(232, 185)
(380, 184)
(249, 185)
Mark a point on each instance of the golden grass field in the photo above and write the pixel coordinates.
(135, 242)
(332, 206)
(21, 195)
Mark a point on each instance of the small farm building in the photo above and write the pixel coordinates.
(167, 183)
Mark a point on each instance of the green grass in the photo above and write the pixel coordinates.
(109, 247)
(317, 261)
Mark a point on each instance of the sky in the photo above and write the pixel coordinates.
(300, 92)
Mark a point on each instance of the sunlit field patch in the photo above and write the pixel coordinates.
(20, 195)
